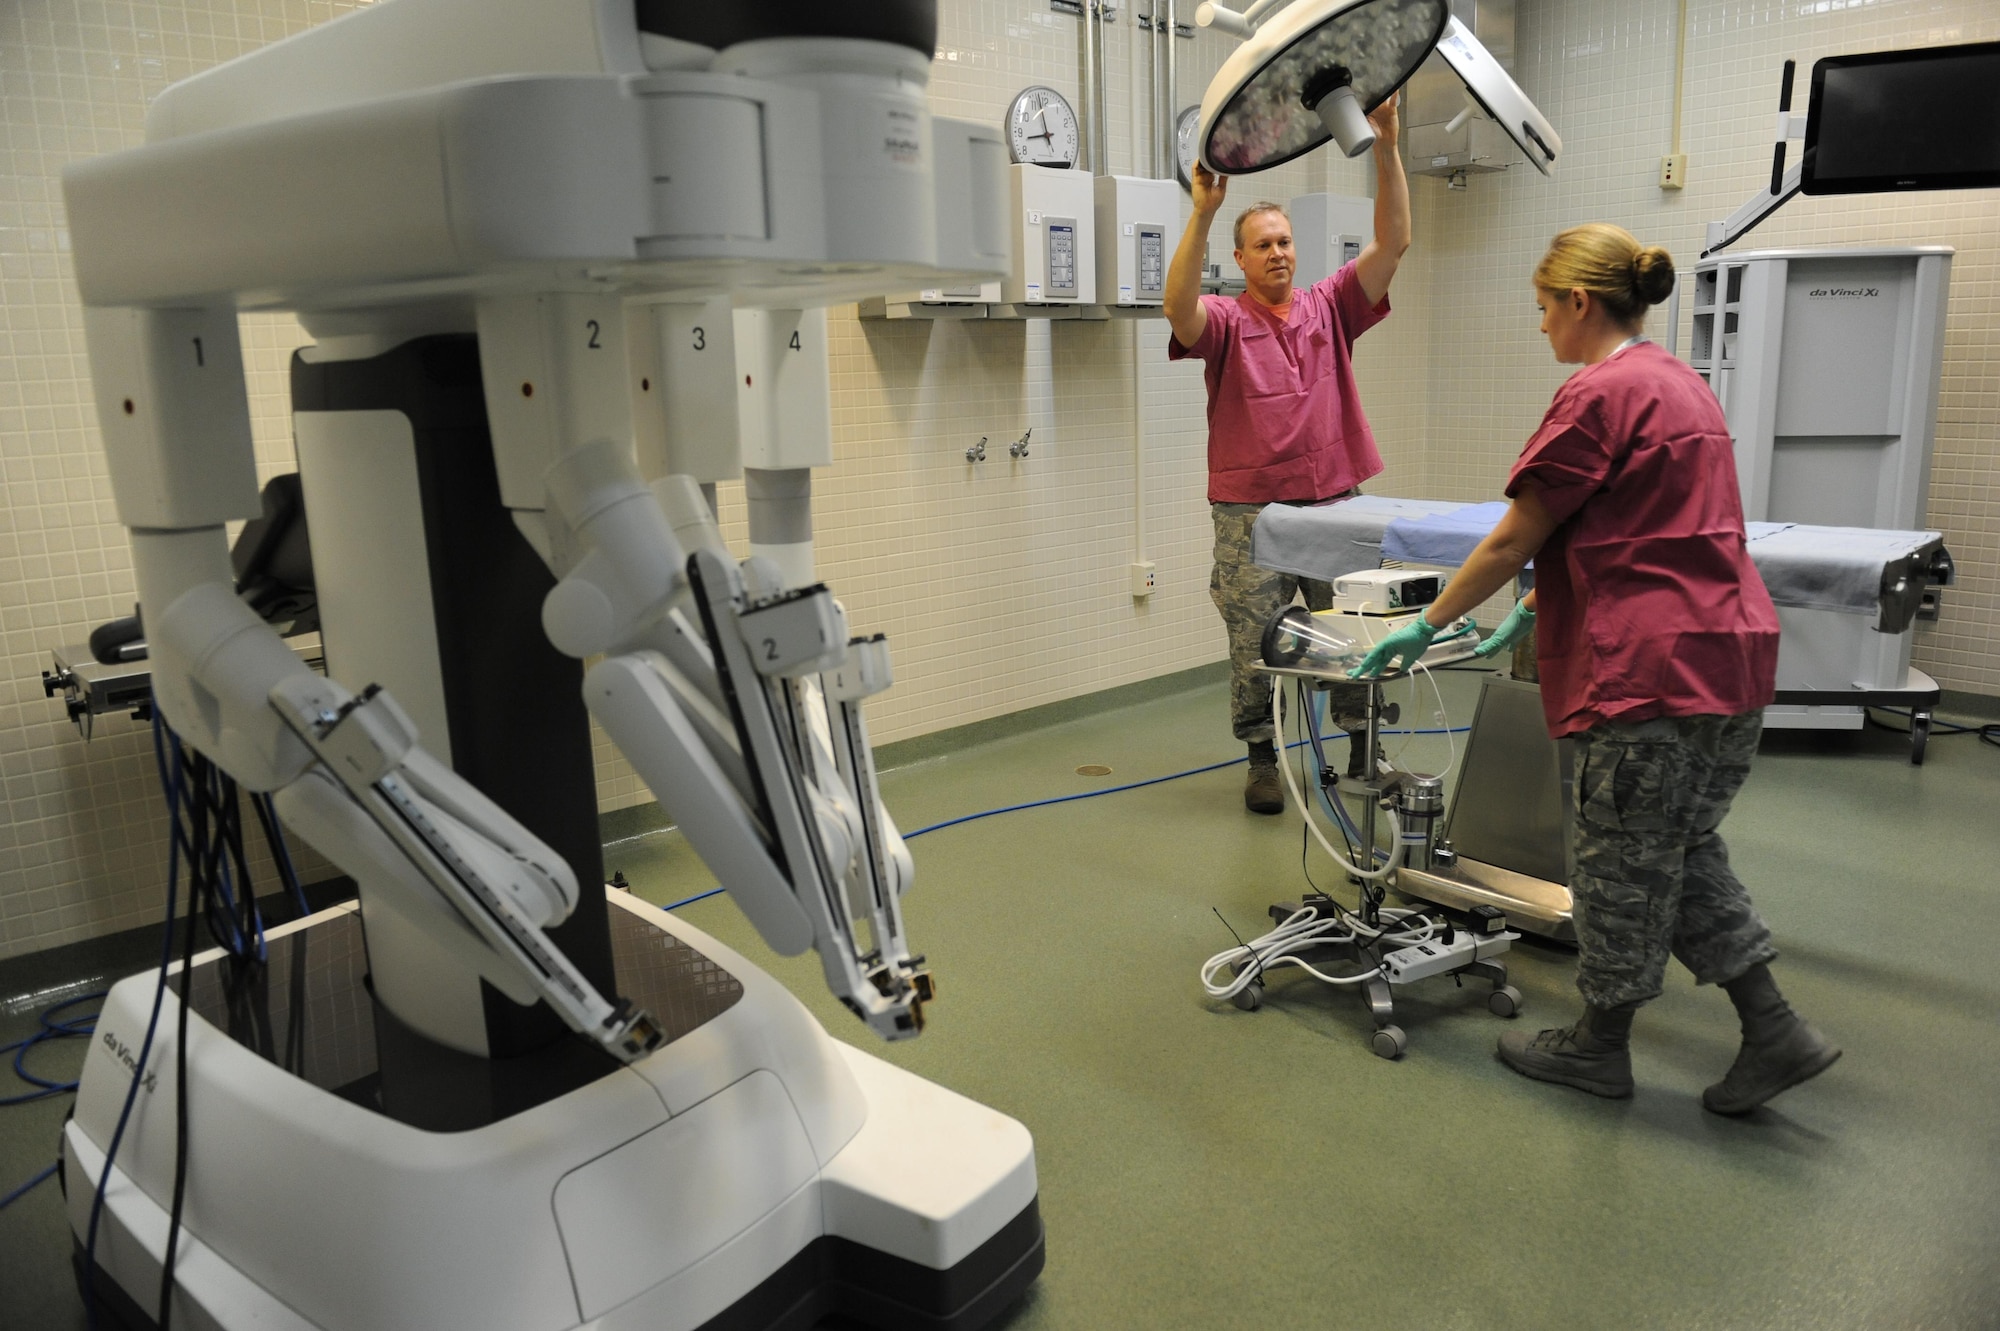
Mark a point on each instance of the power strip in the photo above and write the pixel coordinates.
(1422, 960)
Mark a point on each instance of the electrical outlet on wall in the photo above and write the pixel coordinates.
(1673, 171)
(1142, 578)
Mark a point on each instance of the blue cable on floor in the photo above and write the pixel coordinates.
(26, 1188)
(51, 1029)
(1093, 794)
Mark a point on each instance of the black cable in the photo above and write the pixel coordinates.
(171, 785)
(253, 916)
(195, 902)
(1988, 731)
(274, 838)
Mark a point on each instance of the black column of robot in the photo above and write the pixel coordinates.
(514, 705)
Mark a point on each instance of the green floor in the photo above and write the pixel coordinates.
(1206, 1167)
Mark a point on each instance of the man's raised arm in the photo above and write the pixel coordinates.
(1377, 264)
(1183, 298)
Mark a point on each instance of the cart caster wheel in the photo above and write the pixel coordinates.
(1250, 997)
(1389, 1042)
(1920, 734)
(1504, 1001)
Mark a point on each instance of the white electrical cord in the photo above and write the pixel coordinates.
(1302, 931)
(1305, 808)
(1443, 721)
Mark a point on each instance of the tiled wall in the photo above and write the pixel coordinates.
(1001, 585)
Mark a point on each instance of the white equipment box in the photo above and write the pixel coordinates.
(1138, 225)
(1055, 239)
(1328, 230)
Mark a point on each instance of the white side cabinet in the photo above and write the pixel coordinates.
(1826, 363)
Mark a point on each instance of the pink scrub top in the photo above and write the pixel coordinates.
(1284, 419)
(1647, 601)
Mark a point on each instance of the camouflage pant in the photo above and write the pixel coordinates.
(1651, 876)
(1248, 596)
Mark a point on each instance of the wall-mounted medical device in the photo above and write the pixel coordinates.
(1315, 69)
(1886, 121)
(1138, 224)
(1054, 227)
(1328, 230)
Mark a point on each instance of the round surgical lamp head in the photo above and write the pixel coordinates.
(1313, 73)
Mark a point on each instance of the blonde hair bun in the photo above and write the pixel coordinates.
(1611, 265)
(1652, 274)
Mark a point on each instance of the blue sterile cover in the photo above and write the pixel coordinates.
(1441, 538)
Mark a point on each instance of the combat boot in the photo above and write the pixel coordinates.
(1594, 1055)
(1264, 792)
(1779, 1049)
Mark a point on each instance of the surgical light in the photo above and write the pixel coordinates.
(1312, 74)
(1315, 69)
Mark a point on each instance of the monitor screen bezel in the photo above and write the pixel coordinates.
(1810, 184)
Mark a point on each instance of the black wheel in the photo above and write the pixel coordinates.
(1251, 996)
(1389, 1042)
(1504, 1001)
(1920, 735)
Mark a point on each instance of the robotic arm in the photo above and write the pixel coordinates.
(750, 731)
(529, 191)
(346, 768)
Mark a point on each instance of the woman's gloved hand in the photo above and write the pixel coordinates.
(1515, 627)
(1402, 647)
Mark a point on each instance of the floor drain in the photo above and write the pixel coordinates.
(1093, 769)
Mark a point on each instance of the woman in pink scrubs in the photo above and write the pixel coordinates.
(1659, 650)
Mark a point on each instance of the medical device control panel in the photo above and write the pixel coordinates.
(1136, 221)
(1328, 230)
(1055, 250)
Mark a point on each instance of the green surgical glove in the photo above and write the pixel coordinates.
(1515, 627)
(1402, 647)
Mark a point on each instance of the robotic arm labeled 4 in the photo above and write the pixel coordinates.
(749, 730)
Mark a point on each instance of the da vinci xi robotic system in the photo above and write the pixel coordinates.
(549, 250)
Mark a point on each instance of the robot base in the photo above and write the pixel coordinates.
(342, 1173)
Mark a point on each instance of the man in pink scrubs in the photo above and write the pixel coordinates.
(1284, 420)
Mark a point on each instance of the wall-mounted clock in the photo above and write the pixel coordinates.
(1042, 128)
(1187, 132)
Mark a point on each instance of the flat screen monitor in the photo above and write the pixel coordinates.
(1904, 120)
